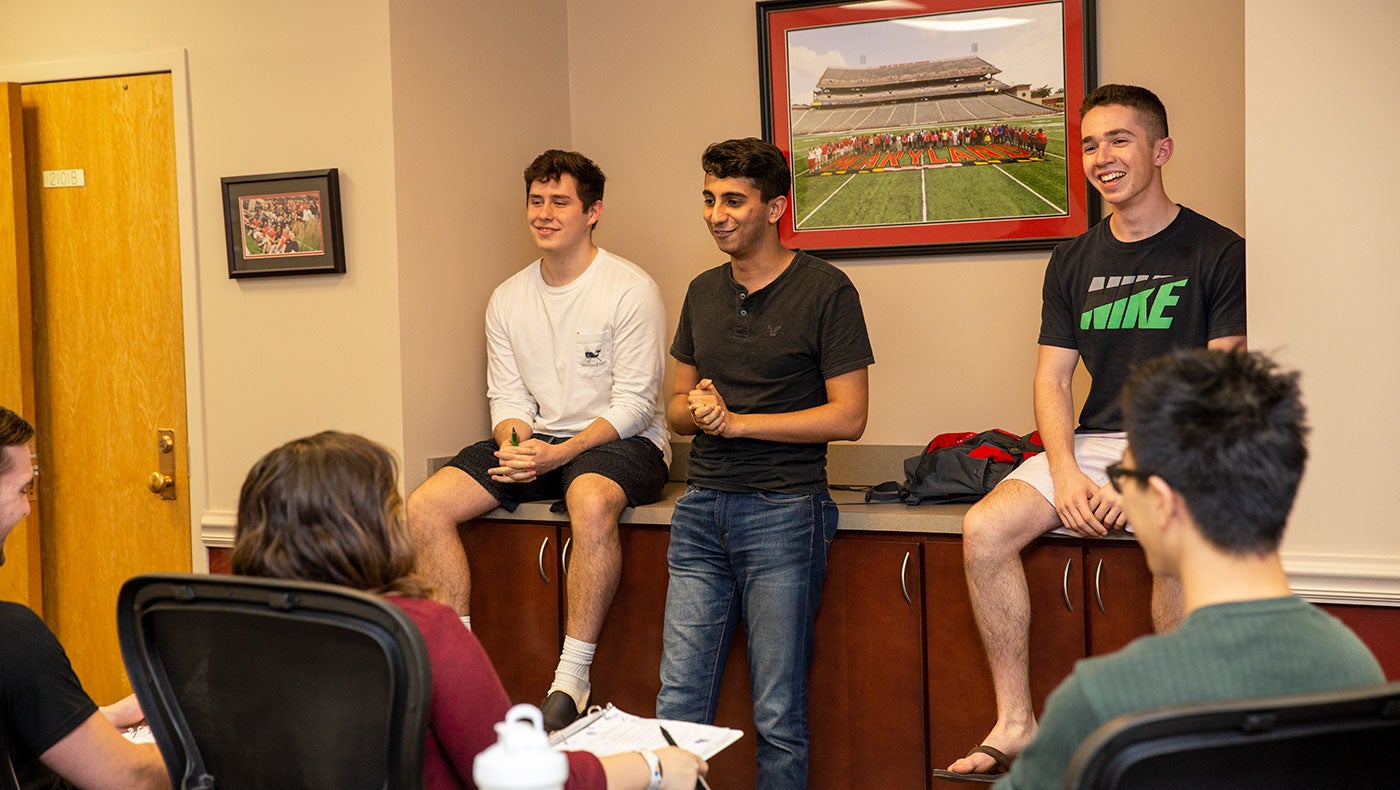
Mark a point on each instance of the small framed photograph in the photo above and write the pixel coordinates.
(928, 126)
(284, 224)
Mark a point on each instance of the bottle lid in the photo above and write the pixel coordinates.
(521, 758)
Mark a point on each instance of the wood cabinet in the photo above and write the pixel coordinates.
(866, 708)
(868, 671)
(516, 601)
(1117, 596)
(626, 668)
(1085, 598)
(961, 702)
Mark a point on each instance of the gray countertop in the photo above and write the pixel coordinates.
(847, 464)
(859, 517)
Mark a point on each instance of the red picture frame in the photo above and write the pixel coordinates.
(951, 134)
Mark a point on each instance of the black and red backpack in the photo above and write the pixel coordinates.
(958, 467)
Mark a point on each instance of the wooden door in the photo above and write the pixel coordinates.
(108, 351)
(20, 579)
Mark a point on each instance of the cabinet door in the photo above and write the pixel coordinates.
(961, 700)
(627, 667)
(1118, 595)
(515, 601)
(866, 707)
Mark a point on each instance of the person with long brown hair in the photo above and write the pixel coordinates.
(327, 508)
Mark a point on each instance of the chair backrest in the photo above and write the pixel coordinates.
(1348, 738)
(276, 684)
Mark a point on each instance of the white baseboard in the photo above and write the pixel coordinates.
(217, 528)
(1345, 579)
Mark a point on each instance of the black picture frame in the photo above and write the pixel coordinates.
(868, 124)
(281, 224)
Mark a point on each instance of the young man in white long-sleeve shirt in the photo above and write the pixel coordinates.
(576, 352)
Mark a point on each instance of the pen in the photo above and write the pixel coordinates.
(699, 780)
(514, 440)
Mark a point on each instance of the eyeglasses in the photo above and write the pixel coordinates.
(1116, 472)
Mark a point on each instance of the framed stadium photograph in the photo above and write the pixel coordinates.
(284, 224)
(918, 127)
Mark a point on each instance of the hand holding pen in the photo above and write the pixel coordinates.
(700, 783)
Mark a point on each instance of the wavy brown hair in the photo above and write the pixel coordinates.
(327, 508)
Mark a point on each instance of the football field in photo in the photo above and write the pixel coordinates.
(970, 185)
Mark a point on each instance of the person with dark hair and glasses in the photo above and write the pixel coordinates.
(576, 350)
(1151, 277)
(55, 736)
(771, 364)
(1216, 447)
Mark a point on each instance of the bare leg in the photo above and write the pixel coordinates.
(994, 533)
(1168, 604)
(435, 508)
(595, 502)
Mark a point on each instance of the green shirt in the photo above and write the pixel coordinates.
(1227, 651)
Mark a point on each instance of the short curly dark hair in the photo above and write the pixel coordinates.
(751, 158)
(1148, 106)
(553, 163)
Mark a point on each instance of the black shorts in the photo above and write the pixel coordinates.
(635, 464)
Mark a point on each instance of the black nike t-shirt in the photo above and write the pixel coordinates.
(1122, 303)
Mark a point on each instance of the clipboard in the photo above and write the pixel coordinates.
(609, 730)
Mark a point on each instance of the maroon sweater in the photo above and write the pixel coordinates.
(468, 700)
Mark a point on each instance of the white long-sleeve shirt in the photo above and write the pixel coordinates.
(559, 358)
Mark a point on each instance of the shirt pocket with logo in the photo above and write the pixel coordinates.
(593, 352)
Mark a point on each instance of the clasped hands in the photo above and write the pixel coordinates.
(1087, 508)
(707, 408)
(526, 461)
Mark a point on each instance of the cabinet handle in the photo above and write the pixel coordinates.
(1098, 588)
(1064, 584)
(543, 545)
(564, 557)
(903, 581)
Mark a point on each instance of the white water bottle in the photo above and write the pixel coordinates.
(522, 758)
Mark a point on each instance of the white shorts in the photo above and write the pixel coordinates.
(1092, 451)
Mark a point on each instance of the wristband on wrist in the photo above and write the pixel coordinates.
(654, 764)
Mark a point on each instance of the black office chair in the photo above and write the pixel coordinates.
(1344, 739)
(261, 683)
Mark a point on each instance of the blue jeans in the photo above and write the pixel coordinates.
(763, 557)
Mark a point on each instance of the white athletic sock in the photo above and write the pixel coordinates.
(572, 675)
(466, 621)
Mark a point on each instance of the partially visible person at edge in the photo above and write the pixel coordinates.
(1216, 447)
(55, 735)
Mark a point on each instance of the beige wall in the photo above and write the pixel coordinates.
(954, 336)
(1324, 271)
(479, 89)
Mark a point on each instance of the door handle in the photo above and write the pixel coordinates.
(543, 545)
(564, 557)
(903, 579)
(1064, 584)
(1098, 588)
(162, 482)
